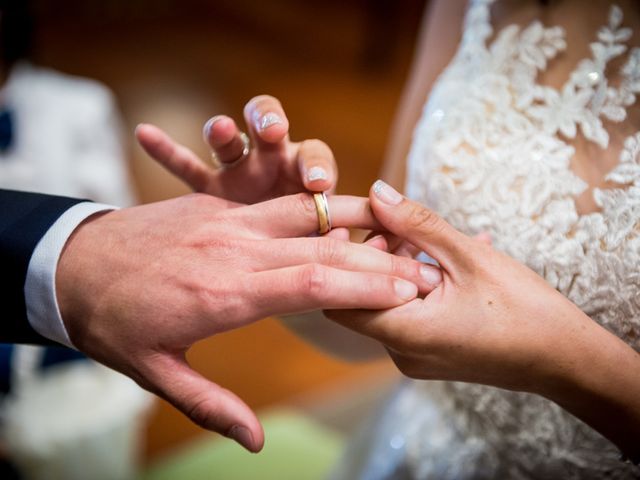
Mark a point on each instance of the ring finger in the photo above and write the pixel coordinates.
(281, 253)
(225, 139)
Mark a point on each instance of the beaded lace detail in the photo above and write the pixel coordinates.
(492, 153)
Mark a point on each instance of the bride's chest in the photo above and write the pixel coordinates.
(497, 151)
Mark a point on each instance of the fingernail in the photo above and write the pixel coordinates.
(432, 275)
(316, 173)
(242, 435)
(268, 119)
(405, 290)
(386, 193)
(206, 130)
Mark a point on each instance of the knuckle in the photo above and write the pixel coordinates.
(330, 252)
(207, 240)
(397, 266)
(424, 219)
(199, 411)
(224, 300)
(313, 280)
(305, 204)
(204, 298)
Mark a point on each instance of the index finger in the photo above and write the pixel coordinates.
(176, 158)
(296, 215)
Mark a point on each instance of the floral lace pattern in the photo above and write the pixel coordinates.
(492, 153)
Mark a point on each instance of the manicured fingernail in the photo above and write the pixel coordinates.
(316, 173)
(242, 435)
(206, 130)
(268, 119)
(432, 275)
(386, 193)
(405, 290)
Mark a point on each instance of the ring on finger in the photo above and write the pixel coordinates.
(246, 149)
(324, 218)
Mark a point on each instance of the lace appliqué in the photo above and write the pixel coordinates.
(492, 153)
(587, 97)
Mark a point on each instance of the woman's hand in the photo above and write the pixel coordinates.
(275, 166)
(494, 321)
(138, 286)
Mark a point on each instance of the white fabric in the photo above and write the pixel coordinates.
(67, 137)
(43, 312)
(492, 152)
(67, 141)
(78, 421)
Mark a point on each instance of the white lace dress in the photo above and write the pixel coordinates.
(492, 152)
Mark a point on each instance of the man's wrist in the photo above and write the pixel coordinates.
(71, 274)
(43, 311)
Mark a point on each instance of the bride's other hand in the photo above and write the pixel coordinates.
(494, 321)
(275, 166)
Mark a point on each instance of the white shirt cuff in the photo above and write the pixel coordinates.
(43, 313)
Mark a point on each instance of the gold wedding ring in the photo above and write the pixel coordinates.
(322, 207)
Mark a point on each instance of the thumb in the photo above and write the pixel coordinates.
(206, 404)
(420, 226)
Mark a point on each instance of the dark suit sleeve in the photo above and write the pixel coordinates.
(24, 219)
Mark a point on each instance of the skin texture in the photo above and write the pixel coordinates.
(538, 342)
(138, 286)
(276, 166)
(477, 315)
(494, 321)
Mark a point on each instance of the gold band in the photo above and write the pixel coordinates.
(322, 207)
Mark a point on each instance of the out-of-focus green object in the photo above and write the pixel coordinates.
(296, 448)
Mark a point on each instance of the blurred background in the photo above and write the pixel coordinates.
(338, 67)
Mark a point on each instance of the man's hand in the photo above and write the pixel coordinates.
(274, 167)
(137, 287)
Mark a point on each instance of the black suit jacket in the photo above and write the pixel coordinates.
(24, 219)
